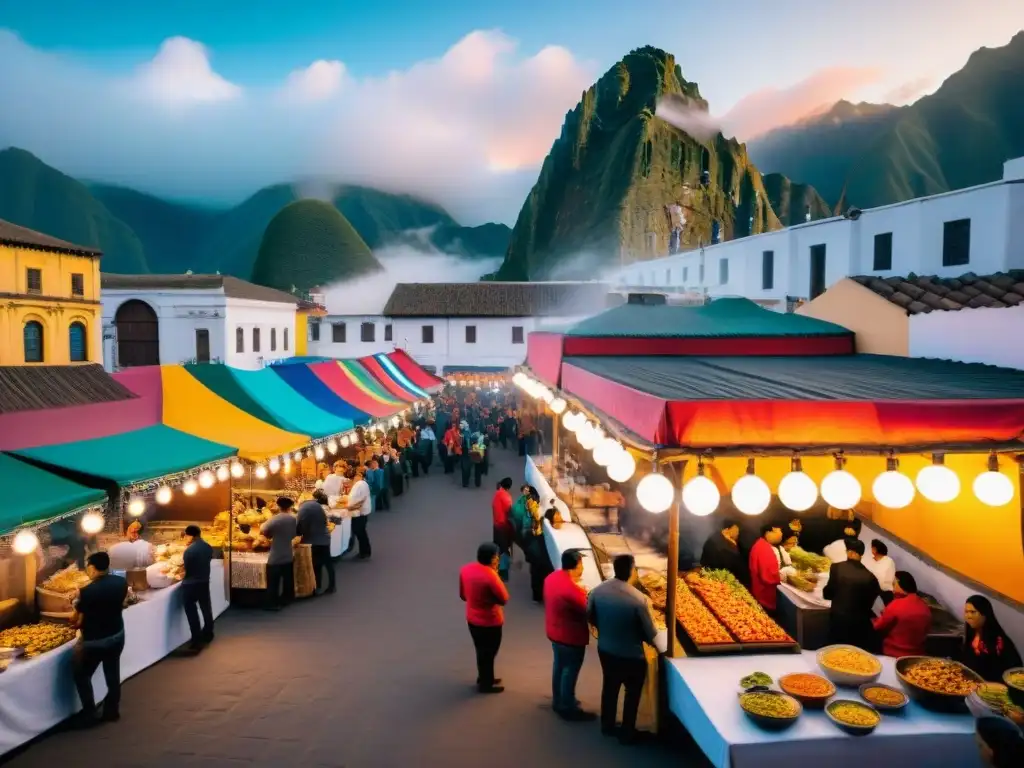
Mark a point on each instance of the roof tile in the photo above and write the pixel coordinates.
(12, 234)
(926, 293)
(494, 299)
(33, 387)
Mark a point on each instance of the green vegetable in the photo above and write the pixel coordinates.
(756, 678)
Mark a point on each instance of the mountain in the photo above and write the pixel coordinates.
(309, 243)
(792, 202)
(820, 151)
(603, 188)
(34, 195)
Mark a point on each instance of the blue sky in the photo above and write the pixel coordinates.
(760, 63)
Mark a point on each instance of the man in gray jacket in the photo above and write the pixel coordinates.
(619, 613)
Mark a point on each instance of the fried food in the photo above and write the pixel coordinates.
(736, 608)
(66, 580)
(883, 697)
(851, 661)
(806, 684)
(36, 639)
(854, 713)
(941, 676)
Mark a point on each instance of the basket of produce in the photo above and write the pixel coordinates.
(942, 685)
(883, 697)
(1014, 680)
(854, 717)
(813, 691)
(770, 710)
(848, 665)
(56, 593)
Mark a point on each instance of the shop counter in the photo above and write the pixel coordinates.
(803, 616)
(341, 536)
(37, 694)
(535, 478)
(702, 694)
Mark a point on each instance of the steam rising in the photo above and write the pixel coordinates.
(688, 116)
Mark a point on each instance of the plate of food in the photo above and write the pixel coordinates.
(942, 685)
(854, 717)
(756, 680)
(848, 665)
(884, 697)
(809, 689)
(771, 710)
(1014, 680)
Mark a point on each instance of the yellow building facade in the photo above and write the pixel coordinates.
(50, 311)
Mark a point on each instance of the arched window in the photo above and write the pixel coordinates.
(77, 343)
(33, 334)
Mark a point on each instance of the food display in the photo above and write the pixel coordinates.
(807, 688)
(36, 639)
(1014, 679)
(993, 699)
(736, 608)
(808, 561)
(755, 679)
(883, 696)
(803, 582)
(853, 716)
(848, 665)
(942, 676)
(244, 533)
(697, 621)
(66, 580)
(770, 709)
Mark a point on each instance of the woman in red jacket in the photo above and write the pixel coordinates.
(764, 567)
(906, 621)
(484, 594)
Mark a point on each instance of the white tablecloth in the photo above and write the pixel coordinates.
(702, 694)
(37, 694)
(341, 536)
(547, 496)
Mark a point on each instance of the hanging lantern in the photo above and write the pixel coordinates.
(261, 472)
(163, 495)
(332, 446)
(700, 494)
(622, 467)
(319, 453)
(588, 437)
(237, 470)
(25, 542)
(206, 479)
(274, 465)
(993, 488)
(190, 487)
(750, 494)
(344, 441)
(286, 465)
(937, 482)
(92, 523)
(136, 507)
(655, 492)
(569, 420)
(606, 451)
(297, 456)
(892, 488)
(797, 490)
(223, 473)
(840, 489)
(558, 405)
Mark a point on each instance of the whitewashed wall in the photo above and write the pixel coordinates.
(353, 346)
(265, 315)
(989, 336)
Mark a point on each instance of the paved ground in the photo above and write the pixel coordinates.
(380, 674)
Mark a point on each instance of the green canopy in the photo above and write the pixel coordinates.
(269, 398)
(130, 457)
(41, 495)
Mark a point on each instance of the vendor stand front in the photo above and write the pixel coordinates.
(730, 392)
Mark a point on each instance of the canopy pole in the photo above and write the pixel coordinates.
(673, 571)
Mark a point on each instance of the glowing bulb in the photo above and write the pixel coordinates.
(569, 420)
(260, 472)
(938, 483)
(237, 470)
(655, 492)
(751, 495)
(892, 488)
(622, 467)
(558, 405)
(163, 495)
(136, 507)
(274, 465)
(797, 491)
(223, 473)
(92, 523)
(206, 479)
(395, 421)
(287, 465)
(840, 489)
(701, 496)
(344, 441)
(319, 453)
(297, 456)
(519, 378)
(190, 487)
(332, 446)
(606, 451)
(25, 542)
(993, 489)
(589, 437)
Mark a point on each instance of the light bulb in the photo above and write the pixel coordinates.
(938, 483)
(274, 465)
(237, 470)
(569, 420)
(655, 492)
(223, 473)
(893, 490)
(751, 495)
(206, 479)
(840, 489)
(25, 542)
(261, 472)
(297, 456)
(993, 488)
(589, 438)
(332, 446)
(190, 487)
(395, 421)
(344, 441)
(319, 453)
(606, 451)
(92, 523)
(622, 467)
(519, 378)
(700, 495)
(287, 465)
(797, 490)
(558, 405)
(136, 507)
(163, 495)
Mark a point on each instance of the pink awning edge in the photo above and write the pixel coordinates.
(642, 413)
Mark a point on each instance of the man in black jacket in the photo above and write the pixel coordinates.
(721, 550)
(853, 589)
(195, 587)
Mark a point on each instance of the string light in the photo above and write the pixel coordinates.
(223, 472)
(25, 542)
(92, 523)
(297, 456)
(237, 470)
(319, 453)
(622, 467)
(655, 493)
(840, 489)
(190, 487)
(261, 472)
(750, 494)
(344, 441)
(163, 495)
(701, 496)
(136, 507)
(332, 446)
(206, 479)
(993, 488)
(274, 465)
(606, 451)
(892, 488)
(937, 482)
(558, 405)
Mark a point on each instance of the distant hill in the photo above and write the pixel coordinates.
(792, 202)
(309, 243)
(34, 195)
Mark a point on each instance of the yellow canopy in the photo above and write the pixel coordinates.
(192, 408)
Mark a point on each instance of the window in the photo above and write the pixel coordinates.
(33, 337)
(517, 334)
(202, 345)
(956, 243)
(239, 340)
(817, 286)
(34, 280)
(471, 334)
(314, 331)
(367, 332)
(77, 343)
(77, 284)
(767, 270)
(284, 338)
(255, 339)
(723, 271)
(273, 339)
(686, 274)
(427, 332)
(883, 252)
(338, 333)
(387, 332)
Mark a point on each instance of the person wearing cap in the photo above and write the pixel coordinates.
(853, 589)
(195, 587)
(311, 524)
(282, 531)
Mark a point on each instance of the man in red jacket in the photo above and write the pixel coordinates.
(906, 621)
(764, 567)
(484, 594)
(565, 618)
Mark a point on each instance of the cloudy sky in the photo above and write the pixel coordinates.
(456, 100)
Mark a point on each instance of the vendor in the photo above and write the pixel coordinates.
(987, 649)
(334, 483)
(721, 551)
(789, 542)
(134, 553)
(853, 589)
(906, 621)
(764, 567)
(880, 564)
(836, 551)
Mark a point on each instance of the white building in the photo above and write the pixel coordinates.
(979, 230)
(170, 319)
(459, 326)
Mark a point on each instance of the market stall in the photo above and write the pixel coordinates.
(391, 379)
(402, 364)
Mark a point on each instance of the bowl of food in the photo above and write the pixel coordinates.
(848, 665)
(854, 717)
(771, 710)
(812, 691)
(756, 680)
(884, 698)
(989, 699)
(1014, 680)
(941, 685)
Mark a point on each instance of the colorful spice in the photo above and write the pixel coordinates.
(884, 697)
(768, 705)
(811, 686)
(851, 661)
(941, 676)
(852, 713)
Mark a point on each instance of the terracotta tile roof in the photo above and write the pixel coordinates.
(918, 295)
(487, 299)
(34, 387)
(232, 286)
(12, 234)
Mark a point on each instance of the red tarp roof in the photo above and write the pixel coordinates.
(340, 382)
(414, 371)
